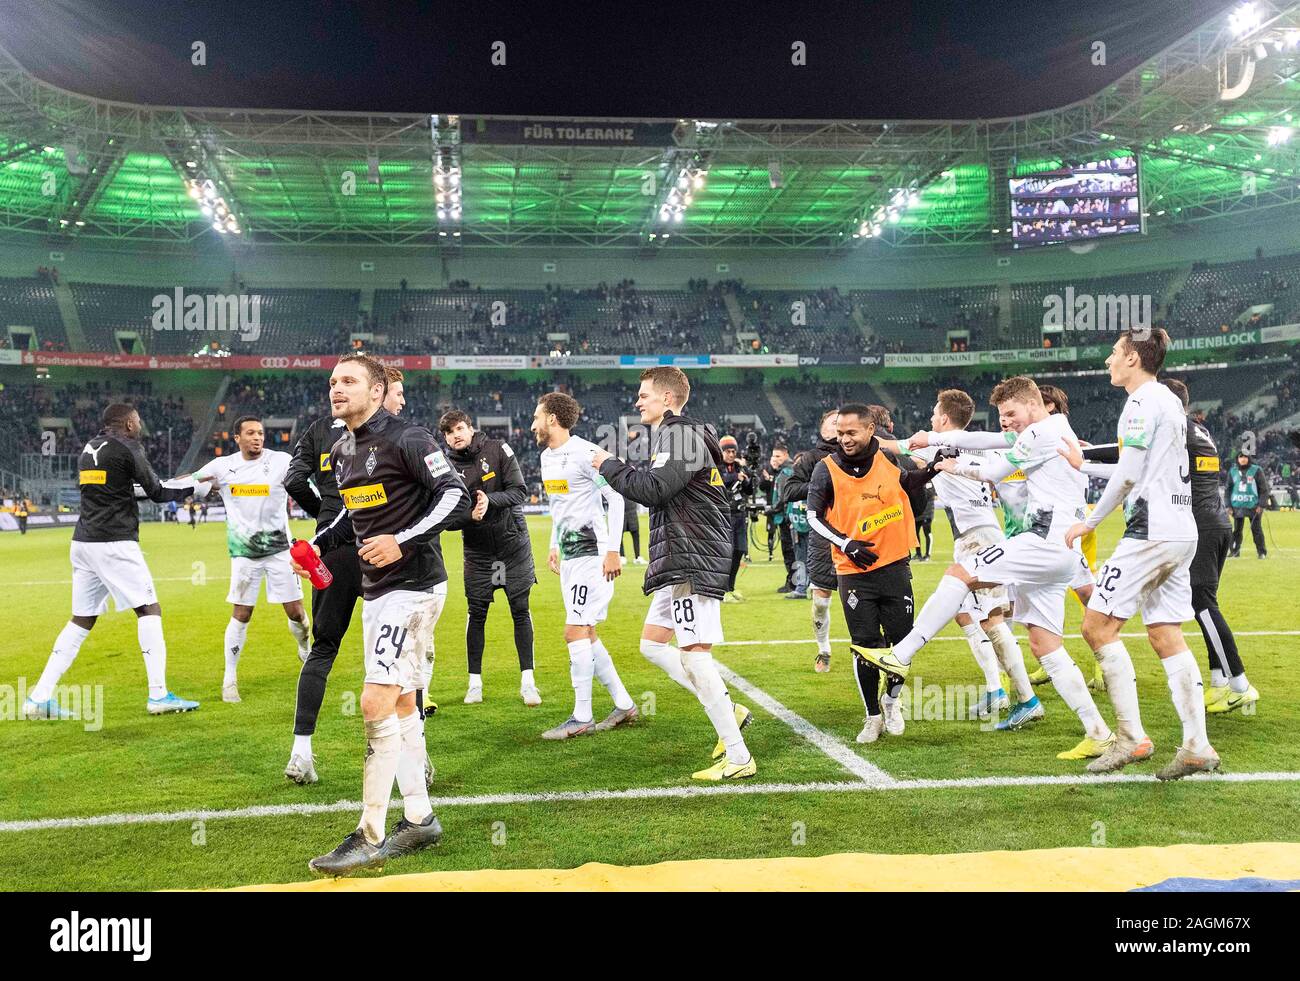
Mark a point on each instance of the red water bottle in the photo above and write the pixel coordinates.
(306, 556)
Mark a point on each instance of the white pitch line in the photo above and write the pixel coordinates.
(636, 793)
(846, 640)
(828, 744)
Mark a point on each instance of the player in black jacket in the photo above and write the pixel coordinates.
(107, 561)
(398, 491)
(310, 482)
(498, 552)
(736, 486)
(690, 556)
(821, 571)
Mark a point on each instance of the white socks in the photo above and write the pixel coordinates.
(476, 681)
(582, 666)
(982, 650)
(1238, 683)
(236, 634)
(1068, 681)
(525, 679)
(821, 621)
(410, 769)
(383, 752)
(670, 659)
(66, 647)
(154, 648)
(1218, 679)
(608, 676)
(712, 693)
(941, 607)
(301, 631)
(1121, 687)
(1011, 659)
(1189, 699)
(301, 746)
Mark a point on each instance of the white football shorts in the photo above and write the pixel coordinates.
(103, 569)
(695, 619)
(1041, 572)
(246, 575)
(397, 634)
(982, 603)
(1152, 577)
(586, 590)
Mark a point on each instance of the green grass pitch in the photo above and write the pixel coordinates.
(231, 757)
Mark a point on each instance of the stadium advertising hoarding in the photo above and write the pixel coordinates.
(865, 360)
(657, 360)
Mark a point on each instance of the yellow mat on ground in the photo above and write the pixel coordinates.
(1263, 865)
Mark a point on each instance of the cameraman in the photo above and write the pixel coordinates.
(771, 484)
(737, 485)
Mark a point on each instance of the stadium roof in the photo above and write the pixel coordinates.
(1210, 118)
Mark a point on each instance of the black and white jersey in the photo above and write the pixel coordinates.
(394, 480)
(310, 480)
(1203, 459)
(111, 465)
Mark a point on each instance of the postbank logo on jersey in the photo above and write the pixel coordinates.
(250, 490)
(94, 476)
(366, 496)
(874, 522)
(1016, 475)
(325, 462)
(556, 486)
(715, 478)
(1207, 464)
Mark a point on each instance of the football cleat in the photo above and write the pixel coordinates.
(893, 709)
(797, 594)
(616, 718)
(1098, 680)
(1021, 714)
(871, 729)
(170, 703)
(743, 718)
(45, 710)
(353, 854)
(301, 769)
(1121, 754)
(474, 695)
(406, 837)
(569, 728)
(822, 664)
(726, 770)
(1039, 677)
(531, 696)
(1215, 693)
(638, 561)
(1088, 748)
(1186, 763)
(1232, 700)
(992, 702)
(230, 693)
(883, 658)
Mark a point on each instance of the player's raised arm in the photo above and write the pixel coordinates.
(669, 472)
(153, 488)
(428, 466)
(963, 439)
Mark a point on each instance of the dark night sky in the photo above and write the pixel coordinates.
(953, 59)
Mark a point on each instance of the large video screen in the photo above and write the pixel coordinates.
(1094, 200)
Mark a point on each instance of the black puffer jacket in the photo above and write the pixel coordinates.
(821, 567)
(489, 465)
(690, 524)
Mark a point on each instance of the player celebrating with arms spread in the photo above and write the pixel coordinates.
(399, 492)
(251, 484)
(1150, 569)
(584, 555)
(690, 556)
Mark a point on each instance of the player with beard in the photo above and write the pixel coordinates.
(822, 578)
(399, 492)
(310, 482)
(864, 506)
(690, 556)
(498, 552)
